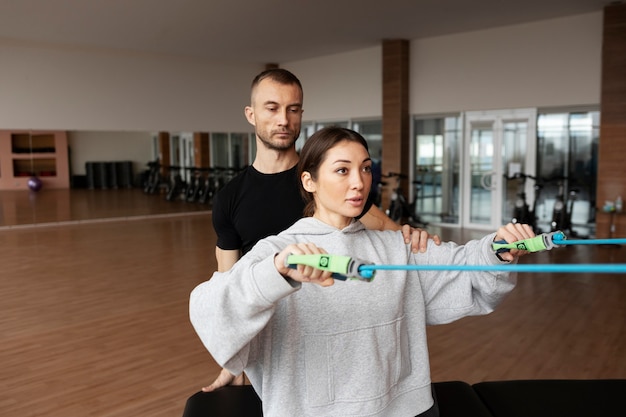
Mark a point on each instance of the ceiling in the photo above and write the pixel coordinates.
(261, 31)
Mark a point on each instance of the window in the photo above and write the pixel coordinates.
(567, 148)
(372, 131)
(232, 150)
(238, 150)
(436, 170)
(220, 157)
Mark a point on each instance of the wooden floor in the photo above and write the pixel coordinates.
(22, 208)
(95, 312)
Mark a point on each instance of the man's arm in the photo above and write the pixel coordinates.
(375, 219)
(226, 258)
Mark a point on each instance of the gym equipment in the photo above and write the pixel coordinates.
(35, 184)
(399, 207)
(563, 208)
(344, 267)
(522, 213)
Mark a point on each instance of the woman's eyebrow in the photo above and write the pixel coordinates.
(337, 161)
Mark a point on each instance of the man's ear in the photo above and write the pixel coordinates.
(307, 182)
(249, 112)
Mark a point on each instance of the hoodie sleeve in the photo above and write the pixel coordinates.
(451, 295)
(231, 308)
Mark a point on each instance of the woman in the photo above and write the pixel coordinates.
(349, 348)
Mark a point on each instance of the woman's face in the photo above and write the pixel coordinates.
(343, 184)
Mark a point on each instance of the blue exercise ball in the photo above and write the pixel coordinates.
(34, 183)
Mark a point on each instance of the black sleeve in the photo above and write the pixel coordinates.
(227, 236)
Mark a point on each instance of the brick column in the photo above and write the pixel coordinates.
(202, 153)
(164, 151)
(612, 146)
(395, 146)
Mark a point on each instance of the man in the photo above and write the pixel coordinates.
(264, 199)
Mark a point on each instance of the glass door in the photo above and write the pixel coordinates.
(497, 145)
(480, 173)
(436, 172)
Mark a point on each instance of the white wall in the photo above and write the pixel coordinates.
(341, 86)
(549, 63)
(46, 87)
(542, 64)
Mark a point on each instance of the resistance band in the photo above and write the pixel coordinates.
(547, 241)
(591, 242)
(546, 268)
(344, 267)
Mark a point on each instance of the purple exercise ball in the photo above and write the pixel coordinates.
(34, 183)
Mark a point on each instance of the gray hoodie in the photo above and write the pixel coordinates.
(355, 348)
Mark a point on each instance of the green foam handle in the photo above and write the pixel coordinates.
(544, 241)
(336, 264)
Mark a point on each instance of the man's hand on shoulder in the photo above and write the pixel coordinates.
(375, 219)
(418, 238)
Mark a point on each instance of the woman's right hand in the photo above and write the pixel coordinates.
(302, 273)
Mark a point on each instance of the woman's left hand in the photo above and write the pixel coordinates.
(512, 233)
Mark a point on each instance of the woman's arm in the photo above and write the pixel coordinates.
(450, 295)
(231, 308)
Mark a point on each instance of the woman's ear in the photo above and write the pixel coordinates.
(307, 182)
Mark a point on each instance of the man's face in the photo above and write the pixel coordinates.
(276, 114)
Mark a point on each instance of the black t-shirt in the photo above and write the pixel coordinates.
(253, 206)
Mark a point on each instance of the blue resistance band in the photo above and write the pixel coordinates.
(344, 267)
(538, 268)
(558, 241)
(557, 238)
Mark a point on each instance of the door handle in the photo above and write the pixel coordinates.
(487, 181)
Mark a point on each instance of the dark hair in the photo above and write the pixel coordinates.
(279, 75)
(314, 152)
